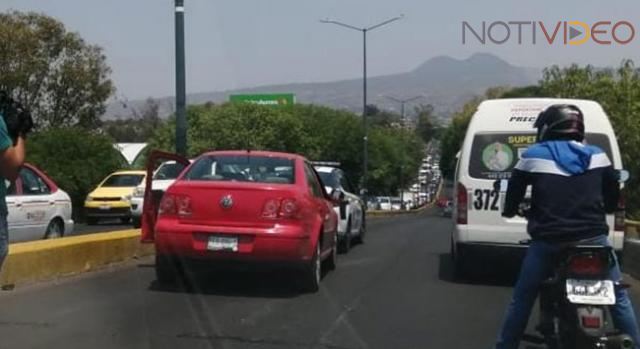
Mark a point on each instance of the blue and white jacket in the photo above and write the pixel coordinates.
(573, 187)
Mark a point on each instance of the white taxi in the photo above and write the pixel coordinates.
(38, 209)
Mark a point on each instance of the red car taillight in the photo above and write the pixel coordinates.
(618, 224)
(462, 204)
(270, 209)
(586, 264)
(280, 208)
(288, 208)
(172, 205)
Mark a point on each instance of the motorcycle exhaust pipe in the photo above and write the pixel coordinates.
(621, 341)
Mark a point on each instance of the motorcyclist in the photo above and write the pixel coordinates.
(573, 187)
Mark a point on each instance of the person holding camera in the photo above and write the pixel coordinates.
(15, 123)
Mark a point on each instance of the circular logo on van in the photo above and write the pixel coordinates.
(497, 157)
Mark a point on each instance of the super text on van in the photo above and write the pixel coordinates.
(499, 132)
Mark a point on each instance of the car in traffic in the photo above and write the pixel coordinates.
(384, 203)
(163, 177)
(253, 208)
(37, 208)
(112, 197)
(351, 210)
(396, 204)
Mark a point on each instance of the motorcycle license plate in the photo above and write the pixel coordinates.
(596, 292)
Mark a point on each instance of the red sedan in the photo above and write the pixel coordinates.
(228, 207)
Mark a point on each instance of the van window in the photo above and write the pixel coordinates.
(493, 155)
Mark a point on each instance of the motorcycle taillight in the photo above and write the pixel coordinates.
(587, 264)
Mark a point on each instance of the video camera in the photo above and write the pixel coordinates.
(16, 117)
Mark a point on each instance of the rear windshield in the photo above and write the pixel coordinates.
(242, 168)
(493, 155)
(123, 180)
(169, 171)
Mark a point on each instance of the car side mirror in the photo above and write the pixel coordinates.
(337, 195)
(623, 176)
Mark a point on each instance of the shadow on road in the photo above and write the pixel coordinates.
(488, 273)
(252, 284)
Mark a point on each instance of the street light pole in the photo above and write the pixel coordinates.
(365, 156)
(181, 98)
(365, 123)
(402, 104)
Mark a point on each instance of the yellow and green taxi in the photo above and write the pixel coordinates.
(111, 199)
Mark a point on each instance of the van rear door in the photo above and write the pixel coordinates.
(493, 156)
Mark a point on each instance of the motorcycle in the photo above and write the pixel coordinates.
(575, 302)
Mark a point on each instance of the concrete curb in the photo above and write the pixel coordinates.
(48, 259)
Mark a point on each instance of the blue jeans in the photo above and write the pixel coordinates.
(537, 267)
(4, 239)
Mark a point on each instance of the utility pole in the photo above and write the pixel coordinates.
(403, 102)
(181, 98)
(365, 156)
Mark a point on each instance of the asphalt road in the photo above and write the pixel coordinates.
(395, 291)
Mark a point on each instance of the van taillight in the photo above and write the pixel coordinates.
(280, 208)
(172, 205)
(462, 204)
(618, 223)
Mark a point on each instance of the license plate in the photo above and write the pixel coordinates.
(596, 292)
(221, 243)
(105, 207)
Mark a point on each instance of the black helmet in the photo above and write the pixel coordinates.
(560, 122)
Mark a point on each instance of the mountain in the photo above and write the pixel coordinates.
(445, 82)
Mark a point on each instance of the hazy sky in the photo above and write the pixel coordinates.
(240, 43)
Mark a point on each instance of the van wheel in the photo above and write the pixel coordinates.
(167, 270)
(312, 272)
(54, 230)
(344, 244)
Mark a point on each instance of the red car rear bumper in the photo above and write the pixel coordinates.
(278, 244)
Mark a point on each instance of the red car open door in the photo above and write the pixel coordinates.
(152, 197)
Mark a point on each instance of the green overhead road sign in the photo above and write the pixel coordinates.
(265, 99)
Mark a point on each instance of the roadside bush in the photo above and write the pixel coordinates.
(76, 159)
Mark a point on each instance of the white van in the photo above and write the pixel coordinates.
(498, 134)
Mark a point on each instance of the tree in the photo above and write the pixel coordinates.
(63, 80)
(454, 136)
(425, 127)
(377, 117)
(137, 127)
(94, 157)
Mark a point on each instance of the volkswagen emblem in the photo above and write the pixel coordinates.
(226, 202)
